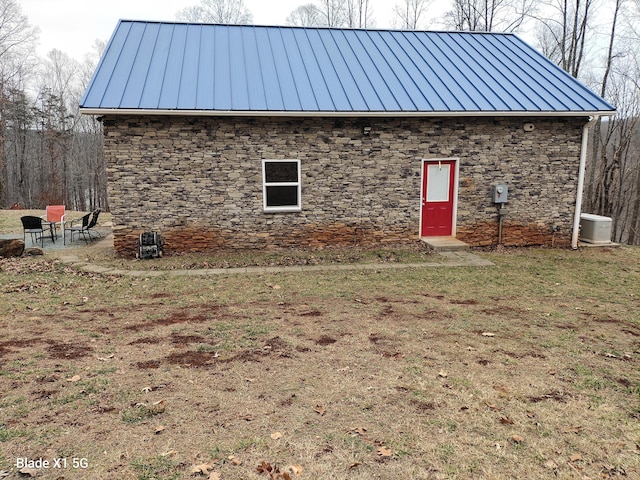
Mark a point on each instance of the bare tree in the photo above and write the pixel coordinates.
(613, 187)
(55, 155)
(410, 14)
(489, 15)
(17, 36)
(48, 152)
(633, 24)
(18, 152)
(194, 14)
(58, 112)
(563, 34)
(633, 19)
(217, 11)
(305, 16)
(597, 195)
(615, 168)
(359, 14)
(88, 185)
(17, 42)
(633, 215)
(333, 13)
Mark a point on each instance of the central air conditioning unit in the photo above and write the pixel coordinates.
(595, 228)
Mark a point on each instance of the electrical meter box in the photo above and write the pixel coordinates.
(500, 193)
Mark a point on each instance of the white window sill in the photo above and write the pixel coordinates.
(282, 209)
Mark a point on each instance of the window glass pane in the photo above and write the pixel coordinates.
(282, 196)
(438, 183)
(281, 172)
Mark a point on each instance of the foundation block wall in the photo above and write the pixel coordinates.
(198, 180)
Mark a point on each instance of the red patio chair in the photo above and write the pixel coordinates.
(55, 216)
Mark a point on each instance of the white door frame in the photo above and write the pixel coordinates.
(456, 176)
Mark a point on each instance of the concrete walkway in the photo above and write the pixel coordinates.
(450, 259)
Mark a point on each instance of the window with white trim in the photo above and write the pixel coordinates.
(281, 185)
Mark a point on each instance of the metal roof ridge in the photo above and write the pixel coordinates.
(298, 27)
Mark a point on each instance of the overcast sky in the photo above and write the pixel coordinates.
(72, 26)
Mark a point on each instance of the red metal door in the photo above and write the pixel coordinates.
(438, 200)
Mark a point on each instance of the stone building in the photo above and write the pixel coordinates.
(250, 137)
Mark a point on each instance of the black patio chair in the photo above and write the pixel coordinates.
(77, 226)
(92, 223)
(84, 226)
(35, 226)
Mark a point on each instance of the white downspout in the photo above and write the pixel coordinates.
(581, 170)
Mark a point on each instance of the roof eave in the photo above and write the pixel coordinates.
(297, 113)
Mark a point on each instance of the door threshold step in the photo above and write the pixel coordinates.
(445, 244)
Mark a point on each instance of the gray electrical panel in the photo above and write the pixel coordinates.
(500, 193)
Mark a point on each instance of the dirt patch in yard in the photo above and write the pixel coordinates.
(325, 340)
(191, 359)
(67, 351)
(148, 364)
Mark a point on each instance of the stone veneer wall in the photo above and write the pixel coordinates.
(198, 180)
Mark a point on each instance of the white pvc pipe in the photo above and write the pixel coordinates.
(581, 171)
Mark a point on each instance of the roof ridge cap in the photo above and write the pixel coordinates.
(316, 27)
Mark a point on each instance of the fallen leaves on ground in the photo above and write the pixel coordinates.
(384, 452)
(157, 407)
(31, 472)
(576, 429)
(295, 469)
(274, 472)
(202, 469)
(611, 470)
(576, 457)
(491, 406)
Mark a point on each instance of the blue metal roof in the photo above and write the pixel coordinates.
(235, 69)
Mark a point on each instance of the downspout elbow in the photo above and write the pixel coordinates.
(581, 174)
